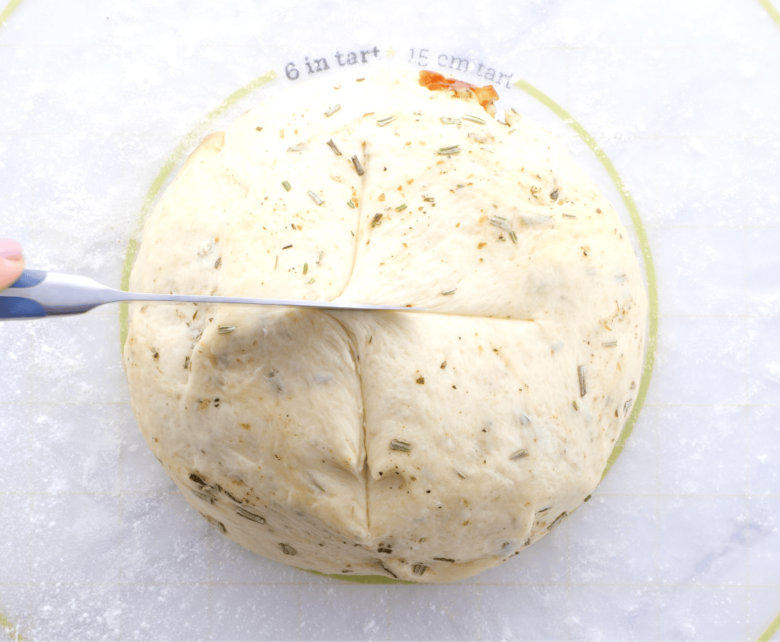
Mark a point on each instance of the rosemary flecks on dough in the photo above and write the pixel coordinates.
(286, 185)
(610, 344)
(296, 148)
(287, 247)
(460, 474)
(557, 521)
(501, 222)
(335, 149)
(250, 516)
(450, 121)
(401, 207)
(474, 119)
(576, 407)
(385, 121)
(520, 454)
(310, 281)
(377, 220)
(449, 292)
(226, 329)
(448, 151)
(513, 236)
(332, 110)
(351, 204)
(287, 549)
(568, 216)
(554, 195)
(305, 268)
(444, 559)
(315, 197)
(403, 446)
(203, 496)
(419, 569)
(581, 377)
(428, 199)
(358, 167)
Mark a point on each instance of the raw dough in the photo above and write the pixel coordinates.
(426, 447)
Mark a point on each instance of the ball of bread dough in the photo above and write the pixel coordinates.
(425, 447)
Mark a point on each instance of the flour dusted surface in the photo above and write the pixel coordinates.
(426, 447)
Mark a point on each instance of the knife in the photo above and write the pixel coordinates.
(39, 294)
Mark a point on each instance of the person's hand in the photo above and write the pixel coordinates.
(11, 263)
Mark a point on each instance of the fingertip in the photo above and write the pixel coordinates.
(10, 271)
(10, 249)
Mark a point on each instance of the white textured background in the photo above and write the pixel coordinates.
(681, 541)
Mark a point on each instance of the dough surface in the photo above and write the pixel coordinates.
(425, 447)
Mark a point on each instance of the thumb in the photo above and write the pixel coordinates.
(11, 263)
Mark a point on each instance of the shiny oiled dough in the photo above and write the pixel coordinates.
(426, 447)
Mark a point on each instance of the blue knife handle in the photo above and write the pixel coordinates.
(17, 307)
(30, 278)
(12, 307)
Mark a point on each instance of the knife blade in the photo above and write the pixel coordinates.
(38, 294)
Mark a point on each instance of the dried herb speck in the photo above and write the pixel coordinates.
(287, 549)
(557, 521)
(203, 496)
(419, 569)
(286, 185)
(520, 454)
(581, 377)
(335, 149)
(403, 446)
(226, 329)
(358, 167)
(448, 151)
